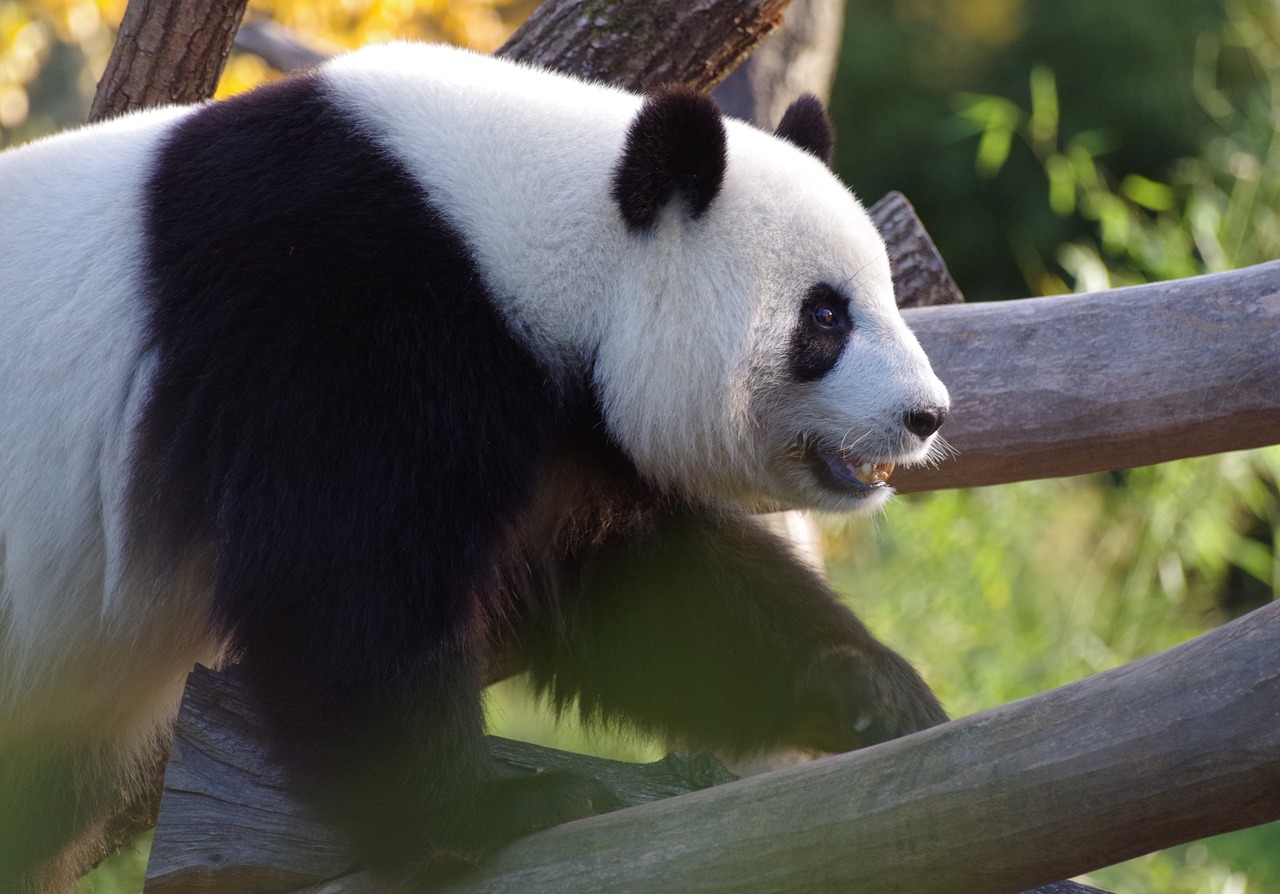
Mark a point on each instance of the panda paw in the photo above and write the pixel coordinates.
(501, 812)
(850, 697)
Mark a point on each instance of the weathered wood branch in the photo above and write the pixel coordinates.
(1177, 746)
(1049, 387)
(227, 824)
(920, 276)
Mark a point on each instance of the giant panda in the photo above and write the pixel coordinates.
(373, 376)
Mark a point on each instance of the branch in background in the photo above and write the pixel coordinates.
(799, 57)
(641, 45)
(280, 47)
(173, 51)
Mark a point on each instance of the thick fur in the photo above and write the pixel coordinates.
(371, 377)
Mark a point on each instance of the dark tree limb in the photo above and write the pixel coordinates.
(920, 276)
(799, 57)
(640, 45)
(167, 51)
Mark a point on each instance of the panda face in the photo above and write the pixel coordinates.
(766, 361)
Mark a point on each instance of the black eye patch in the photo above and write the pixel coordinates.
(820, 334)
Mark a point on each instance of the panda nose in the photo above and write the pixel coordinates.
(924, 421)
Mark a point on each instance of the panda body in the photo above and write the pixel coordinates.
(376, 377)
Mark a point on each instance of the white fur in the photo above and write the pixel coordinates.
(85, 648)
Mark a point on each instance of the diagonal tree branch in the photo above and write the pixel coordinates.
(1175, 747)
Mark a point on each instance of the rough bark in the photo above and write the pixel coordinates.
(641, 45)
(167, 51)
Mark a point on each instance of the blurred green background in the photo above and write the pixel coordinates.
(1048, 146)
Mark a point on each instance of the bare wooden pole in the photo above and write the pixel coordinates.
(1048, 387)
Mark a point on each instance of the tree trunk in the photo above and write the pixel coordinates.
(167, 51)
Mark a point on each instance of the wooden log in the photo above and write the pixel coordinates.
(1049, 387)
(1178, 746)
(226, 823)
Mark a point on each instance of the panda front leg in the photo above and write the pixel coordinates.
(358, 642)
(381, 732)
(708, 630)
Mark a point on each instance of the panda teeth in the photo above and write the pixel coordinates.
(874, 473)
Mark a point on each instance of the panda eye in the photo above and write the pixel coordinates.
(826, 312)
(822, 331)
(824, 317)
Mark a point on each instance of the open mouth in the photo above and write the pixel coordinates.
(850, 472)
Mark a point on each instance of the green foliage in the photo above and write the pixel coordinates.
(1216, 210)
(1121, 72)
(121, 873)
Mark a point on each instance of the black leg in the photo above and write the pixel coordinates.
(706, 629)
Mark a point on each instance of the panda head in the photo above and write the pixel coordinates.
(753, 351)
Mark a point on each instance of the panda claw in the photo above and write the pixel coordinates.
(854, 696)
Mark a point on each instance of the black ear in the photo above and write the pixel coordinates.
(806, 124)
(675, 147)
